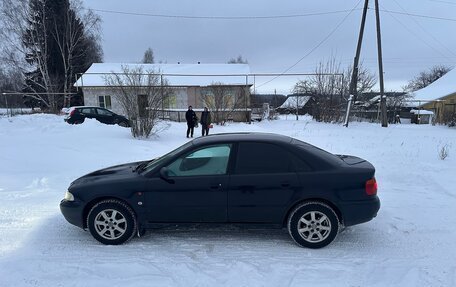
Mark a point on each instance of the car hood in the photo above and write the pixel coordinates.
(119, 172)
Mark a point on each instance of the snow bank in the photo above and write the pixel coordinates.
(410, 243)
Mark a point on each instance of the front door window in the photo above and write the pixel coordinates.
(212, 160)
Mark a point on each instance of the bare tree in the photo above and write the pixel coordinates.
(223, 100)
(11, 80)
(425, 78)
(329, 87)
(365, 83)
(238, 60)
(24, 28)
(141, 96)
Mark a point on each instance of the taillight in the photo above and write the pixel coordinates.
(371, 186)
(72, 112)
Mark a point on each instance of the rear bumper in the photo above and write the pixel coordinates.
(73, 212)
(356, 212)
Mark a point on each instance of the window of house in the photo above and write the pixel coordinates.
(104, 101)
(170, 101)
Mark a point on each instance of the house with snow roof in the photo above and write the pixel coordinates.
(439, 98)
(296, 102)
(187, 85)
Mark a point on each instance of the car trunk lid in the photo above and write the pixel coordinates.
(351, 160)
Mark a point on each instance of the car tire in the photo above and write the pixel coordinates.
(313, 224)
(124, 124)
(112, 222)
(78, 122)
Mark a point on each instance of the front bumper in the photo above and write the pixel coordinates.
(73, 211)
(359, 211)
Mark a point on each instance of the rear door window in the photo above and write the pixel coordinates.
(104, 112)
(261, 158)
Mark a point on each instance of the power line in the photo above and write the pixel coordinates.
(252, 17)
(314, 48)
(446, 2)
(425, 31)
(220, 17)
(418, 15)
(416, 35)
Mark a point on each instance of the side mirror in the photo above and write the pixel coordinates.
(164, 175)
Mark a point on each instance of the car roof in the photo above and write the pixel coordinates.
(242, 136)
(79, 107)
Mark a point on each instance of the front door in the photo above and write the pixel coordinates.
(88, 112)
(197, 191)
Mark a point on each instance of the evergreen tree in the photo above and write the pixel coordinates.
(58, 48)
(148, 56)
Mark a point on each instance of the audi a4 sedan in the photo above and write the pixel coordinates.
(240, 178)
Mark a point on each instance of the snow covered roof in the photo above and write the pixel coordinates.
(175, 74)
(290, 102)
(421, 112)
(441, 88)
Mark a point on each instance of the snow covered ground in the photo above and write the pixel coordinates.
(410, 243)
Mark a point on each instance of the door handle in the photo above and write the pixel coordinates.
(285, 184)
(247, 188)
(216, 186)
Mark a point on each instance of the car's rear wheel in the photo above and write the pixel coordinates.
(313, 224)
(112, 222)
(124, 124)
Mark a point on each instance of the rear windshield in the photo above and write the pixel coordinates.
(317, 152)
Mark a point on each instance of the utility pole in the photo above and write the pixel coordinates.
(162, 97)
(380, 68)
(297, 107)
(354, 79)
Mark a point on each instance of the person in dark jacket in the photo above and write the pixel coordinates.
(205, 122)
(191, 118)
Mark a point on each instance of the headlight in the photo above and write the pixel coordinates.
(68, 196)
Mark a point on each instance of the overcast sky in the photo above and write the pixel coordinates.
(410, 44)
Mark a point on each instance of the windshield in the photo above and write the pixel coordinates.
(154, 163)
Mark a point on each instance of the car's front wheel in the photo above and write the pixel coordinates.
(313, 224)
(111, 222)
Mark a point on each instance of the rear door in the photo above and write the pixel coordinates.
(262, 184)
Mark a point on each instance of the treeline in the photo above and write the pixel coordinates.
(45, 45)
